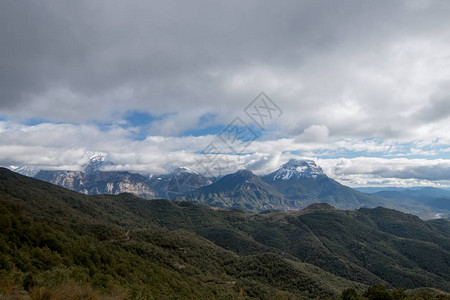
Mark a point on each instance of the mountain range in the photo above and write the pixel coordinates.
(180, 181)
(93, 180)
(100, 182)
(424, 198)
(59, 244)
(294, 185)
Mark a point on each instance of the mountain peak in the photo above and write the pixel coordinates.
(179, 170)
(24, 170)
(96, 156)
(247, 174)
(242, 189)
(237, 178)
(298, 169)
(96, 162)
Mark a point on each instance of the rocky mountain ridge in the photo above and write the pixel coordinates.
(293, 186)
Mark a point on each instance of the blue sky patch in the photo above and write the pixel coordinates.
(137, 119)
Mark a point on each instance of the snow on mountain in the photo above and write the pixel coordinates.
(298, 169)
(24, 170)
(178, 182)
(184, 170)
(184, 180)
(97, 160)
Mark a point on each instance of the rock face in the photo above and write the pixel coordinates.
(182, 180)
(92, 180)
(72, 180)
(100, 182)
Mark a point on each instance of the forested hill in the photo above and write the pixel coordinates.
(58, 244)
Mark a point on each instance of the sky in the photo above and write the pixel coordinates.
(361, 87)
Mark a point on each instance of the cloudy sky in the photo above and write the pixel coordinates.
(362, 87)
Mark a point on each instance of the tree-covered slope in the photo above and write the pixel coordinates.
(53, 240)
(61, 243)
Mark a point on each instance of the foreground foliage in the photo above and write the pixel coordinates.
(57, 244)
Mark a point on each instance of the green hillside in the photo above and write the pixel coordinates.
(57, 244)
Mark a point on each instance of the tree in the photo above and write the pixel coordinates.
(377, 292)
(349, 294)
(29, 281)
(398, 294)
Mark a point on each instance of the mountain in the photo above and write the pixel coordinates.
(375, 189)
(96, 162)
(100, 182)
(298, 169)
(430, 196)
(427, 189)
(25, 170)
(58, 244)
(295, 185)
(242, 190)
(91, 180)
(428, 202)
(303, 183)
(178, 182)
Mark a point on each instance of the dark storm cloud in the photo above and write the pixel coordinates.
(108, 57)
(436, 109)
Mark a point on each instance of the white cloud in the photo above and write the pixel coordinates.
(314, 133)
(65, 146)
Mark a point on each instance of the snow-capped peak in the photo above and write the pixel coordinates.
(96, 161)
(24, 170)
(247, 174)
(179, 170)
(96, 157)
(298, 169)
